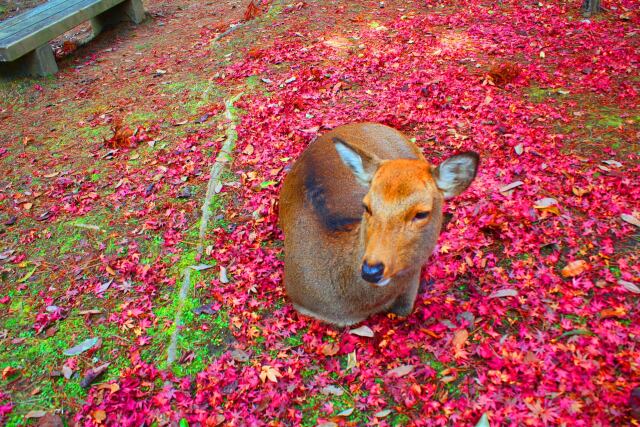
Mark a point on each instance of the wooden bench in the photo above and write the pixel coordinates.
(24, 39)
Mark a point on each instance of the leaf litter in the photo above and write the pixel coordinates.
(501, 257)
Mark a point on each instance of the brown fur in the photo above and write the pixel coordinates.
(328, 235)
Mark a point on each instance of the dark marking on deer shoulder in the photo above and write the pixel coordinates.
(316, 196)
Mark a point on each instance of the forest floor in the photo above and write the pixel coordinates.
(117, 309)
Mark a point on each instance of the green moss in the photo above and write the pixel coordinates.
(308, 373)
(35, 357)
(400, 420)
(94, 133)
(141, 117)
(151, 248)
(143, 46)
(294, 340)
(575, 318)
(175, 87)
(429, 359)
(311, 408)
(537, 94)
(610, 120)
(199, 345)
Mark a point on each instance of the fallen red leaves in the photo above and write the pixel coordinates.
(122, 136)
(251, 12)
(529, 306)
(503, 74)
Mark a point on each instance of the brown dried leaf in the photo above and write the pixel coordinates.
(50, 420)
(330, 349)
(547, 204)
(8, 372)
(92, 374)
(248, 150)
(35, 414)
(460, 338)
(511, 186)
(112, 387)
(575, 268)
(401, 371)
(502, 74)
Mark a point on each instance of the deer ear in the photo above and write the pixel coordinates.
(455, 174)
(363, 165)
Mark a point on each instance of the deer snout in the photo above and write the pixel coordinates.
(372, 273)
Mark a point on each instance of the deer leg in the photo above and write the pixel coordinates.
(403, 304)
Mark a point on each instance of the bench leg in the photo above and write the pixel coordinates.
(40, 62)
(131, 10)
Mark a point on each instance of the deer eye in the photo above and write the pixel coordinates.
(421, 215)
(367, 209)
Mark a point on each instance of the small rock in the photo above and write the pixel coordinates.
(185, 193)
(204, 309)
(239, 355)
(332, 390)
(230, 388)
(92, 374)
(634, 403)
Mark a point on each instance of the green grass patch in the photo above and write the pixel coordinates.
(311, 408)
(36, 357)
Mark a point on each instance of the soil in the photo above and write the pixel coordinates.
(11, 8)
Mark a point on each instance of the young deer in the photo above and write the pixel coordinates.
(361, 210)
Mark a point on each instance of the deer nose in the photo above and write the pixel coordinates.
(372, 273)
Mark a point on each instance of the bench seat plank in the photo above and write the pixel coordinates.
(21, 35)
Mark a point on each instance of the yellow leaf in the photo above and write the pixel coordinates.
(352, 360)
(613, 312)
(248, 150)
(28, 275)
(580, 191)
(99, 416)
(272, 374)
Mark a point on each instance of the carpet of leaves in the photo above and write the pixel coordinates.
(529, 308)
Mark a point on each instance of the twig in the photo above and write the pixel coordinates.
(230, 30)
(88, 226)
(214, 181)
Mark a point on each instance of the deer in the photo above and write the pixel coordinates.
(361, 210)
